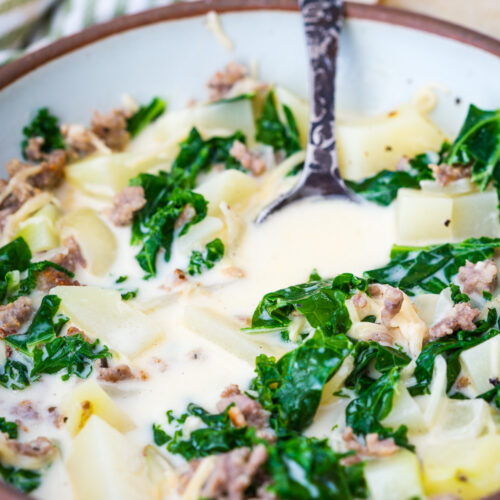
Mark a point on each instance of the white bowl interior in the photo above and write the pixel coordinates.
(381, 65)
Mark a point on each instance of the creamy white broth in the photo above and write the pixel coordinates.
(202, 345)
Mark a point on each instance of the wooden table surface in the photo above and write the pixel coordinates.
(480, 15)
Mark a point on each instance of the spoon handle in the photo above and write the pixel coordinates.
(323, 22)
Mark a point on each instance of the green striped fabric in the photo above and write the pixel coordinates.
(29, 24)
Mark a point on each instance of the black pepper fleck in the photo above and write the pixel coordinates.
(447, 222)
(458, 100)
(388, 148)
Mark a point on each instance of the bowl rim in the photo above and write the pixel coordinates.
(15, 70)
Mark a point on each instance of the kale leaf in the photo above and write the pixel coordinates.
(321, 302)
(15, 260)
(368, 354)
(451, 347)
(373, 404)
(168, 193)
(382, 188)
(42, 351)
(456, 295)
(214, 253)
(22, 479)
(9, 428)
(272, 131)
(290, 388)
(46, 126)
(493, 395)
(430, 269)
(219, 435)
(145, 115)
(478, 145)
(304, 467)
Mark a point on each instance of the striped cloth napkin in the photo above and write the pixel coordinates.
(29, 24)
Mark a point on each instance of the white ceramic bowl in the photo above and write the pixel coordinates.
(385, 57)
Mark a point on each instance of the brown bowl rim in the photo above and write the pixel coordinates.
(21, 67)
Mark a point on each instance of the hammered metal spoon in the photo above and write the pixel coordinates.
(320, 176)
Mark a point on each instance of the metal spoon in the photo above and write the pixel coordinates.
(320, 176)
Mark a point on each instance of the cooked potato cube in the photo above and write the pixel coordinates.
(371, 145)
(87, 399)
(396, 477)
(230, 186)
(199, 235)
(425, 217)
(104, 465)
(108, 174)
(96, 240)
(468, 468)
(226, 333)
(405, 411)
(102, 314)
(482, 364)
(39, 231)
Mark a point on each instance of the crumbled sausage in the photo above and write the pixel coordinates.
(128, 201)
(478, 277)
(52, 171)
(393, 300)
(73, 330)
(249, 412)
(463, 382)
(33, 150)
(112, 128)
(188, 212)
(444, 174)
(460, 317)
(79, 141)
(72, 257)
(25, 410)
(13, 315)
(56, 417)
(359, 300)
(115, 373)
(50, 278)
(248, 160)
(373, 447)
(223, 81)
(39, 447)
(234, 472)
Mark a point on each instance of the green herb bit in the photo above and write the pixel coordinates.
(456, 295)
(272, 131)
(46, 126)
(9, 428)
(121, 279)
(22, 479)
(129, 294)
(145, 115)
(214, 253)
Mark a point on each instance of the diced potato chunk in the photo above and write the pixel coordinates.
(396, 477)
(232, 186)
(226, 333)
(482, 363)
(424, 217)
(39, 230)
(104, 465)
(370, 145)
(468, 468)
(405, 411)
(108, 174)
(96, 240)
(87, 399)
(199, 235)
(102, 314)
